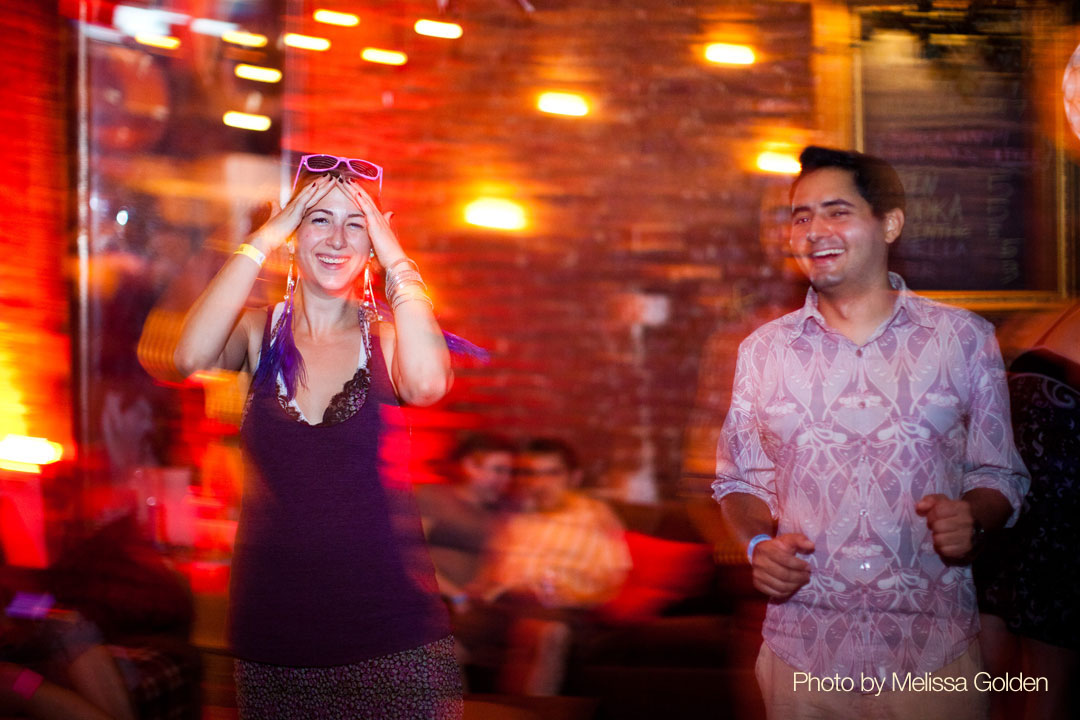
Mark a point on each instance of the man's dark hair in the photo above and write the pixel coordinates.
(875, 179)
(552, 446)
(482, 443)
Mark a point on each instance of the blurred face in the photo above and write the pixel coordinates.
(488, 474)
(544, 481)
(332, 244)
(838, 242)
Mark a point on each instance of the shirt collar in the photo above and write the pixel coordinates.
(907, 307)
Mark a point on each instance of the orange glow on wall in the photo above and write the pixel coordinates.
(35, 364)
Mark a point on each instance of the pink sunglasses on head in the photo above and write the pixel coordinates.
(326, 163)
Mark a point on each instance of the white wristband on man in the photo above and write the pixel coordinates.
(754, 543)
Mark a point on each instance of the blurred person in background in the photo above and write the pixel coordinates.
(1028, 577)
(54, 664)
(865, 452)
(558, 555)
(461, 516)
(334, 610)
(560, 548)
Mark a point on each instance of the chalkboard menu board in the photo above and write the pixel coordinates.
(946, 102)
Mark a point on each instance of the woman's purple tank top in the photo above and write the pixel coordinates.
(330, 566)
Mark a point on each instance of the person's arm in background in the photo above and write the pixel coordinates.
(91, 687)
(24, 693)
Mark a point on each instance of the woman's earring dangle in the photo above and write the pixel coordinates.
(290, 282)
(371, 310)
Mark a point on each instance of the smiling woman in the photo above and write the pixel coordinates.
(328, 375)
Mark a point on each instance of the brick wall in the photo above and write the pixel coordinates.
(643, 257)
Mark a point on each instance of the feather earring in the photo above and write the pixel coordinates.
(371, 310)
(283, 358)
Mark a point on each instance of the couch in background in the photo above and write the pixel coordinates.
(680, 638)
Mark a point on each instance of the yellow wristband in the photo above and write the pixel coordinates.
(252, 252)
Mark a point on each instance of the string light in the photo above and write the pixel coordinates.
(434, 28)
(559, 103)
(165, 42)
(331, 17)
(728, 54)
(384, 57)
(247, 39)
(259, 74)
(246, 121)
(306, 42)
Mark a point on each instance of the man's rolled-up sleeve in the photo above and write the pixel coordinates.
(992, 460)
(741, 463)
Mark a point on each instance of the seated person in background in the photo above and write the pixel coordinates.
(562, 548)
(460, 517)
(54, 666)
(559, 554)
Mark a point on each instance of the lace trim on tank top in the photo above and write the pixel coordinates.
(346, 403)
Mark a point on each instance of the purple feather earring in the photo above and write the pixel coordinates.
(282, 357)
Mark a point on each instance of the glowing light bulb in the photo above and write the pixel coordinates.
(247, 39)
(495, 213)
(165, 42)
(728, 54)
(434, 28)
(778, 162)
(331, 17)
(259, 74)
(559, 103)
(246, 121)
(306, 42)
(384, 57)
(29, 450)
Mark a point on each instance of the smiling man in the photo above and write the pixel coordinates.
(866, 450)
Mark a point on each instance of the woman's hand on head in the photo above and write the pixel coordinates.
(284, 221)
(383, 239)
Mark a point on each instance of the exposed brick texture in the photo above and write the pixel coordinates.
(643, 248)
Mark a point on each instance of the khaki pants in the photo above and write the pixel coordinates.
(785, 701)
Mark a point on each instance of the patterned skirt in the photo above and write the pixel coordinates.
(419, 684)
